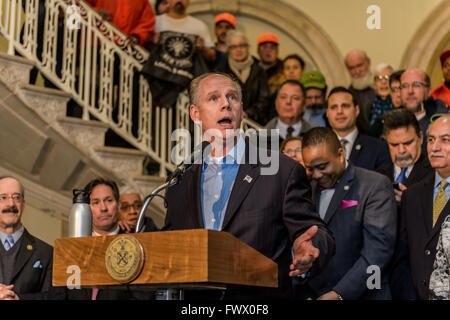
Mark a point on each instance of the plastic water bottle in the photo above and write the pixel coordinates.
(80, 217)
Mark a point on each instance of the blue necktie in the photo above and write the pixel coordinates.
(9, 242)
(401, 177)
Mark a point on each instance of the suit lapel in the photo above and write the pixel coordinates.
(315, 194)
(194, 194)
(245, 179)
(427, 204)
(356, 149)
(437, 227)
(418, 171)
(343, 187)
(24, 254)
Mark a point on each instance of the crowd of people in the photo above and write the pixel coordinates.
(368, 189)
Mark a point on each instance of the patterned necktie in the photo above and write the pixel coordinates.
(9, 242)
(344, 143)
(289, 131)
(401, 177)
(440, 201)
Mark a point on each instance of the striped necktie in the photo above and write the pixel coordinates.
(440, 201)
(344, 143)
(9, 242)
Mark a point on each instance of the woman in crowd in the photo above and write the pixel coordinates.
(251, 76)
(383, 101)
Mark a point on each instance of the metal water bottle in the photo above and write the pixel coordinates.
(80, 217)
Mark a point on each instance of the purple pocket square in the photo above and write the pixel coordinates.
(348, 203)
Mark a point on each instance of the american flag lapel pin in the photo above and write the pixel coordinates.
(248, 178)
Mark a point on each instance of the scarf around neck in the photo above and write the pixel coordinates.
(241, 68)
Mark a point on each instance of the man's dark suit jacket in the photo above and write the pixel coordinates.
(421, 169)
(401, 282)
(417, 233)
(268, 213)
(32, 275)
(369, 152)
(364, 232)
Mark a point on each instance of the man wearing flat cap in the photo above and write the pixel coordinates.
(315, 91)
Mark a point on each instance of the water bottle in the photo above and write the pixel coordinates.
(80, 217)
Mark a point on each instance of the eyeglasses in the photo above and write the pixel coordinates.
(235, 46)
(15, 197)
(415, 84)
(386, 77)
(126, 206)
(395, 89)
(291, 152)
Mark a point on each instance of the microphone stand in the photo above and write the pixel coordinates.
(171, 293)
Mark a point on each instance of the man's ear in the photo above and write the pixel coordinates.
(357, 110)
(194, 112)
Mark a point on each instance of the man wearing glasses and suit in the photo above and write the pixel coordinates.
(25, 261)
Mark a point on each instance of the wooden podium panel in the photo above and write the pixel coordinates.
(198, 257)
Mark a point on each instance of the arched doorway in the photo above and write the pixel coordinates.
(429, 41)
(298, 30)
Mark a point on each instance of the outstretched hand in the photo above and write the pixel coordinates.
(304, 253)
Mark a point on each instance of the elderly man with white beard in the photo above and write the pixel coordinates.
(358, 65)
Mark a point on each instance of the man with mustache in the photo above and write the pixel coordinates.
(232, 191)
(315, 91)
(130, 207)
(358, 65)
(25, 261)
(404, 137)
(425, 207)
(358, 206)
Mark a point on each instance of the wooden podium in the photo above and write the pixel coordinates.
(172, 259)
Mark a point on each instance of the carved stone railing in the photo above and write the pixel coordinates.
(89, 58)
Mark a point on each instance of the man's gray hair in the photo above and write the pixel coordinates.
(20, 183)
(193, 91)
(380, 67)
(127, 189)
(235, 33)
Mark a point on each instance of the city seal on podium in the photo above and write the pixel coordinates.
(124, 258)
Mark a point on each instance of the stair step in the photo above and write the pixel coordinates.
(127, 163)
(14, 70)
(50, 104)
(85, 133)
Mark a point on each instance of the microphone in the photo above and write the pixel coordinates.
(199, 153)
(197, 156)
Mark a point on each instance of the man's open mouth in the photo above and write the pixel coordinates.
(225, 121)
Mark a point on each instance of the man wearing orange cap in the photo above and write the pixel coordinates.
(269, 61)
(443, 91)
(224, 22)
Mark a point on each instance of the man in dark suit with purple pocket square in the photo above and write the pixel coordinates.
(358, 206)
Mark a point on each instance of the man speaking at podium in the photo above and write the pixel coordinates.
(231, 191)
